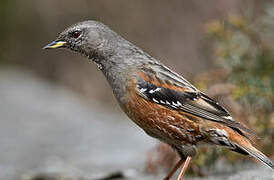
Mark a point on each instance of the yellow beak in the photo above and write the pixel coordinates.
(55, 44)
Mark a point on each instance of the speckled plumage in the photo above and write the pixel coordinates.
(160, 101)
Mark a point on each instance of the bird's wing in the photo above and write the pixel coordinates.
(173, 91)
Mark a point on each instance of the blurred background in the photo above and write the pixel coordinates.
(59, 120)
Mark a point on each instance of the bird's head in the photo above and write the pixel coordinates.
(89, 38)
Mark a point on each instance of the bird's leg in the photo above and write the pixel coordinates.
(174, 169)
(181, 175)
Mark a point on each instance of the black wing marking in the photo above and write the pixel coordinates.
(195, 103)
(163, 95)
(165, 73)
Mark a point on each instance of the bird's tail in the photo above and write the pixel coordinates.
(252, 151)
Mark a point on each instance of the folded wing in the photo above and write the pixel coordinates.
(171, 91)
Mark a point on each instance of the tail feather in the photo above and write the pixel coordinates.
(257, 154)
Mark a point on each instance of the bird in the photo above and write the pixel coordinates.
(160, 101)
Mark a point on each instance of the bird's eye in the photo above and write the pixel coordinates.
(75, 34)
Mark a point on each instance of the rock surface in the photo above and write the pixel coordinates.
(48, 132)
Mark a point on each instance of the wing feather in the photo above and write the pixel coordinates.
(191, 101)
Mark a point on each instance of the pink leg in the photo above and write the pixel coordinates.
(170, 174)
(182, 173)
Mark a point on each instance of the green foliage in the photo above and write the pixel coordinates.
(243, 46)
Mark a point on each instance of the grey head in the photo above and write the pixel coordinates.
(89, 38)
(114, 56)
(98, 42)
